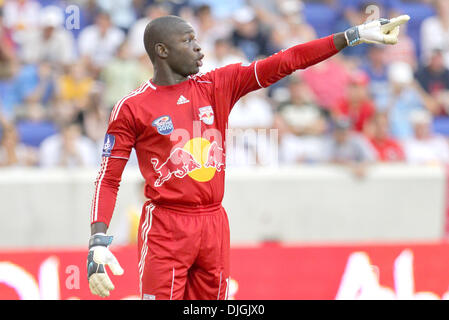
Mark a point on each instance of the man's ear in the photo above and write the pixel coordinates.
(161, 50)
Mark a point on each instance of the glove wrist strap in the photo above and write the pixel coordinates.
(352, 36)
(100, 240)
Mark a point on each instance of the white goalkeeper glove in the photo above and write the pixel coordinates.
(381, 31)
(99, 256)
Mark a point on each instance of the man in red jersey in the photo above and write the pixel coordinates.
(177, 123)
(388, 149)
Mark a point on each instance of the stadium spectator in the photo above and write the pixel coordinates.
(12, 152)
(401, 98)
(249, 35)
(223, 54)
(137, 30)
(94, 117)
(434, 78)
(292, 28)
(68, 149)
(349, 148)
(49, 41)
(208, 30)
(300, 112)
(357, 105)
(305, 124)
(74, 85)
(378, 130)
(15, 89)
(405, 49)
(122, 75)
(34, 124)
(21, 15)
(435, 32)
(98, 43)
(222, 10)
(7, 50)
(249, 114)
(333, 89)
(376, 69)
(44, 89)
(121, 12)
(425, 147)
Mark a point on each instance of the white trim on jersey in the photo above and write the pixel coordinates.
(255, 73)
(172, 284)
(146, 227)
(118, 106)
(151, 85)
(219, 286)
(104, 166)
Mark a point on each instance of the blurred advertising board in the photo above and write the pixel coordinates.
(265, 272)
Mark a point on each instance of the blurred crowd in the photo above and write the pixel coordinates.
(64, 64)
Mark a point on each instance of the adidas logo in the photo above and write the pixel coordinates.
(182, 100)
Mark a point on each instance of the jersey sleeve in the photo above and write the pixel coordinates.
(236, 80)
(119, 141)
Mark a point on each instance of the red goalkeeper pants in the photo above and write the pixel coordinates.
(183, 255)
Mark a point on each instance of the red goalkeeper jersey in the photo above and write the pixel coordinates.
(179, 131)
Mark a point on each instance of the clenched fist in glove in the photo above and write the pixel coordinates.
(99, 256)
(381, 31)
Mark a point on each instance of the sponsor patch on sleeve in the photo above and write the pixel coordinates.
(109, 141)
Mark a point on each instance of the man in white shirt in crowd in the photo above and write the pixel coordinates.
(50, 41)
(435, 32)
(425, 147)
(99, 42)
(68, 149)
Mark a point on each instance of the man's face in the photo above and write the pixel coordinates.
(184, 53)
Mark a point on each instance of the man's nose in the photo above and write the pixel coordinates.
(197, 47)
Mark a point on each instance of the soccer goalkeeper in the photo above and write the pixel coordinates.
(176, 122)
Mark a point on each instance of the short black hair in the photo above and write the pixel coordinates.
(157, 31)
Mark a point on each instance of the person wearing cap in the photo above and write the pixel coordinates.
(348, 148)
(49, 42)
(425, 147)
(402, 98)
(249, 36)
(357, 105)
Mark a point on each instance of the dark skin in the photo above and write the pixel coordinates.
(175, 53)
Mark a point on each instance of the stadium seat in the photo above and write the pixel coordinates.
(441, 125)
(418, 11)
(322, 18)
(33, 133)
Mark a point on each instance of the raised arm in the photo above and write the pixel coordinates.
(234, 81)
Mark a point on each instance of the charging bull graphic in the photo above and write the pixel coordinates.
(179, 163)
(215, 157)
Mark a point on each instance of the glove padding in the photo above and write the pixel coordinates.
(381, 31)
(99, 255)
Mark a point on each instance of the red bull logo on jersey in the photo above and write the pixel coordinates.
(206, 115)
(199, 159)
(179, 164)
(164, 125)
(215, 157)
